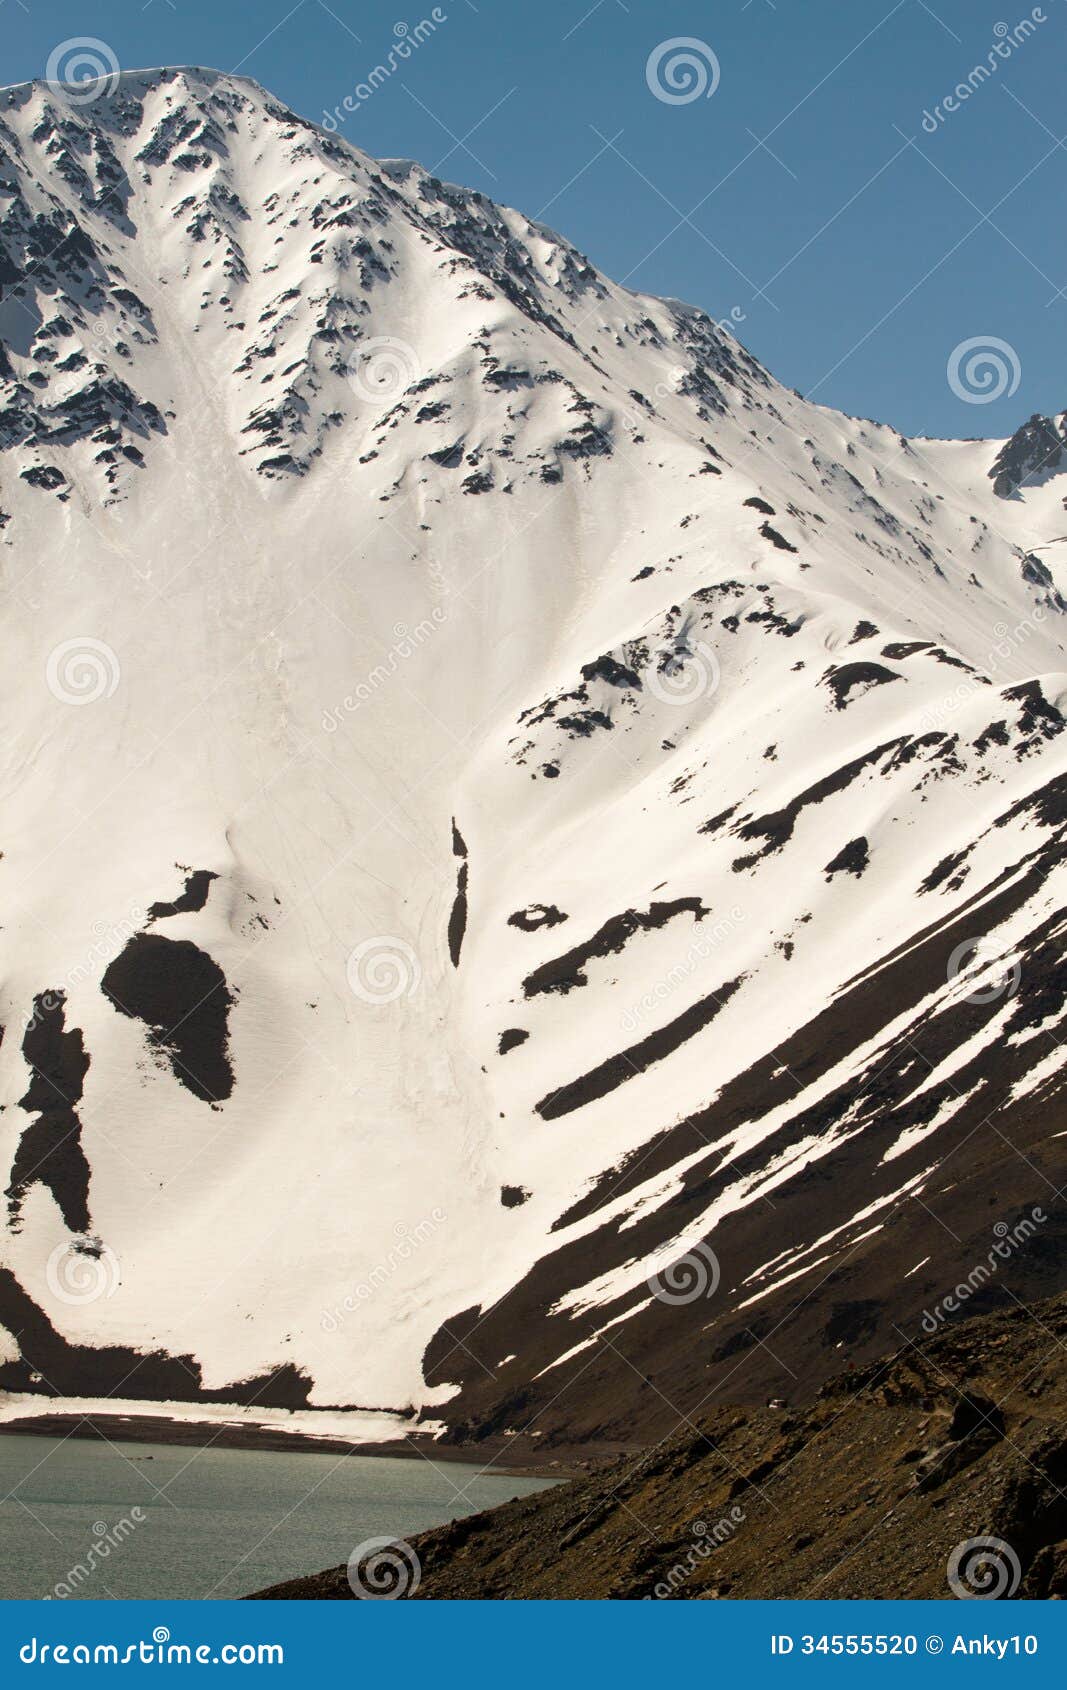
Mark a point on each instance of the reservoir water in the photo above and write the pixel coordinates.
(82, 1518)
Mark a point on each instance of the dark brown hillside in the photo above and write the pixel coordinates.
(869, 1491)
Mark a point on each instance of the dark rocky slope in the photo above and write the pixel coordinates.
(871, 1490)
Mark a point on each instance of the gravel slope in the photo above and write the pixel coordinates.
(867, 1492)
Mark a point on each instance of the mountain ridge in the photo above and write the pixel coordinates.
(348, 516)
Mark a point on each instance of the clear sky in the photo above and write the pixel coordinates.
(862, 245)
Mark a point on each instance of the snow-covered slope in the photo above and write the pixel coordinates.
(498, 793)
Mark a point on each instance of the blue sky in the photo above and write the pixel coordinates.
(856, 245)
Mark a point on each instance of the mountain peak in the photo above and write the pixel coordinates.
(300, 245)
(540, 801)
(86, 89)
(1033, 454)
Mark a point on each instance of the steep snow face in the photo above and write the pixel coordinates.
(497, 790)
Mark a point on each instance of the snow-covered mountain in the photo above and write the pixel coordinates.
(502, 801)
(1032, 456)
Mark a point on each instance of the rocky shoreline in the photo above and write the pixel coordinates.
(513, 1458)
(939, 1470)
